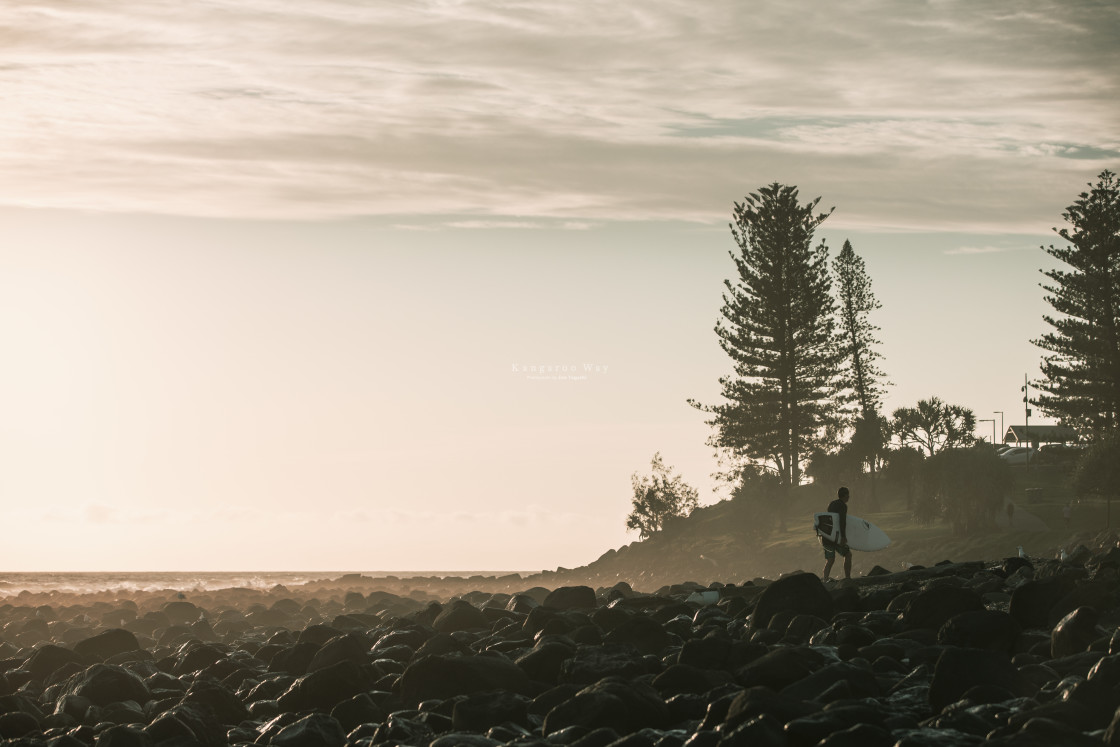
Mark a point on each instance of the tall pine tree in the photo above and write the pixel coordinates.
(865, 380)
(778, 328)
(1081, 385)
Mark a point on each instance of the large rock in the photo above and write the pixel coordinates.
(933, 607)
(325, 688)
(481, 711)
(612, 703)
(103, 684)
(447, 676)
(1074, 632)
(353, 647)
(643, 633)
(801, 593)
(315, 730)
(960, 669)
(181, 612)
(106, 644)
(990, 629)
(205, 694)
(460, 615)
(571, 597)
(544, 660)
(781, 667)
(1031, 603)
(592, 663)
(49, 658)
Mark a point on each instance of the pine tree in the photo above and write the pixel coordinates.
(778, 328)
(1082, 371)
(858, 341)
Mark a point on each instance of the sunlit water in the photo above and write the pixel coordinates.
(78, 583)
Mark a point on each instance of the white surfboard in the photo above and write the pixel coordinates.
(862, 534)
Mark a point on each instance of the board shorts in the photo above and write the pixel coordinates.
(831, 549)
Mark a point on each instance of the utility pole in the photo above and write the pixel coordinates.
(1027, 419)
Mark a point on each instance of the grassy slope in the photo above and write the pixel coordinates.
(718, 543)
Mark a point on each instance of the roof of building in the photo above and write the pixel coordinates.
(1043, 434)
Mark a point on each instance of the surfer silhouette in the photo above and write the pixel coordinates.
(840, 507)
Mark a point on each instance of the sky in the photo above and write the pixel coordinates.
(274, 276)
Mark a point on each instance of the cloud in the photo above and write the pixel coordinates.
(925, 115)
(978, 250)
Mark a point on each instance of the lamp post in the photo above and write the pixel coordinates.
(993, 422)
(1000, 413)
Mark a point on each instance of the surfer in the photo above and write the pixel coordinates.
(840, 507)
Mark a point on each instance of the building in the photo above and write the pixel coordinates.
(1034, 435)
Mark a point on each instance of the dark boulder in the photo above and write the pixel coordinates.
(352, 646)
(760, 731)
(571, 597)
(360, 709)
(212, 697)
(447, 676)
(315, 730)
(103, 684)
(800, 593)
(1031, 603)
(932, 607)
(990, 629)
(613, 703)
(960, 669)
(181, 612)
(482, 711)
(544, 660)
(642, 632)
(592, 663)
(860, 681)
(781, 667)
(49, 658)
(460, 615)
(1074, 632)
(325, 688)
(106, 644)
(124, 736)
(17, 724)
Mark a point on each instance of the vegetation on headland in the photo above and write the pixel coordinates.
(801, 413)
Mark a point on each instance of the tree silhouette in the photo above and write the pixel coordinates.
(934, 425)
(777, 326)
(1081, 385)
(864, 379)
(659, 498)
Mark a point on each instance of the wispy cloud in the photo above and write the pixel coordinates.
(978, 250)
(926, 115)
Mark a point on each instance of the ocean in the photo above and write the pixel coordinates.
(11, 584)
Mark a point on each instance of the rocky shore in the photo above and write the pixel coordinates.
(1018, 652)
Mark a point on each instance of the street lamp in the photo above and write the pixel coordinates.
(1000, 413)
(993, 422)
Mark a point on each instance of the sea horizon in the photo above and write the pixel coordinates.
(12, 583)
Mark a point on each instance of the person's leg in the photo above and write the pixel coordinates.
(829, 557)
(848, 564)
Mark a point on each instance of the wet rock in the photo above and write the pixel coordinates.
(315, 730)
(760, 731)
(460, 615)
(17, 724)
(933, 607)
(642, 632)
(360, 709)
(613, 703)
(571, 597)
(102, 684)
(544, 660)
(353, 647)
(481, 711)
(781, 667)
(124, 736)
(960, 669)
(181, 612)
(448, 676)
(325, 688)
(800, 593)
(592, 663)
(223, 705)
(1074, 632)
(990, 629)
(1031, 603)
(49, 658)
(106, 644)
